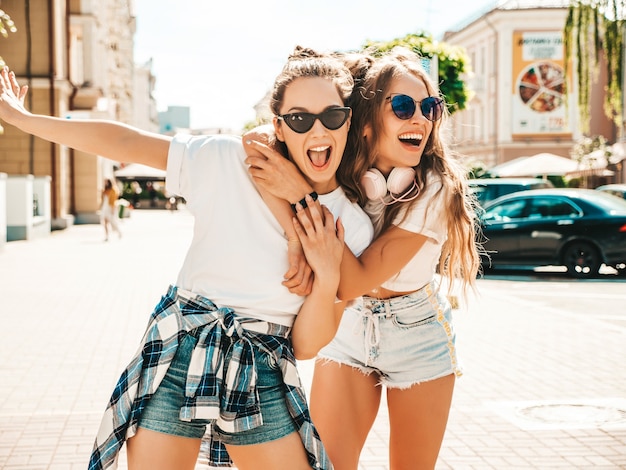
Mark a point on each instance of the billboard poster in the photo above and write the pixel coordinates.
(538, 95)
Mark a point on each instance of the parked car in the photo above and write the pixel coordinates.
(488, 189)
(577, 228)
(618, 190)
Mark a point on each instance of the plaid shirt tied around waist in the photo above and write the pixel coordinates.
(221, 381)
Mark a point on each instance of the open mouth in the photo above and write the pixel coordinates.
(414, 139)
(319, 156)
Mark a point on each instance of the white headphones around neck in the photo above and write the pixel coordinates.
(400, 182)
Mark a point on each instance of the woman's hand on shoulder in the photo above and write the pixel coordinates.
(271, 170)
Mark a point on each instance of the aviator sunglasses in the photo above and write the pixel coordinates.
(332, 119)
(404, 107)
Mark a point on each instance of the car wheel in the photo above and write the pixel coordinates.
(582, 259)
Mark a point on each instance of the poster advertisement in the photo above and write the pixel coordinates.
(538, 99)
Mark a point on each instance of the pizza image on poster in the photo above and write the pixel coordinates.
(541, 87)
(539, 104)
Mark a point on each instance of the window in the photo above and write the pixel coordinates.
(552, 207)
(506, 211)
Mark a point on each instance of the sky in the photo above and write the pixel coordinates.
(220, 58)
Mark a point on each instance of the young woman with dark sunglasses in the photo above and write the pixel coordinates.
(400, 333)
(221, 345)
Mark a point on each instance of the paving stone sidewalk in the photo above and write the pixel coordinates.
(543, 387)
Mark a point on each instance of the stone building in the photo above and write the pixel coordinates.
(519, 108)
(77, 58)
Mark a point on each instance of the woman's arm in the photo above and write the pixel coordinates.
(385, 257)
(320, 314)
(298, 278)
(110, 139)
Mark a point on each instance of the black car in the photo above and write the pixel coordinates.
(577, 228)
(618, 190)
(488, 189)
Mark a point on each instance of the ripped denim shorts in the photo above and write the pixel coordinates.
(404, 340)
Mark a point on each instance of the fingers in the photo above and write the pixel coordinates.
(259, 148)
(328, 218)
(302, 289)
(19, 92)
(256, 161)
(317, 224)
(300, 283)
(314, 221)
(22, 93)
(4, 78)
(8, 83)
(291, 273)
(341, 233)
(14, 85)
(297, 278)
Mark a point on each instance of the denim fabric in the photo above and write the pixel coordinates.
(163, 410)
(404, 340)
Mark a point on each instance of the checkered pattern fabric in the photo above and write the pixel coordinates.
(221, 381)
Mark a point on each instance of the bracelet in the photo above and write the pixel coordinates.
(302, 201)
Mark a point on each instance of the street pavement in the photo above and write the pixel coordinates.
(544, 382)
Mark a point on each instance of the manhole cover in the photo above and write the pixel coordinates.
(574, 414)
(602, 413)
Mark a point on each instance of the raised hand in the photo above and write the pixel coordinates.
(11, 96)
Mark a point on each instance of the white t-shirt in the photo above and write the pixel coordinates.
(426, 218)
(238, 252)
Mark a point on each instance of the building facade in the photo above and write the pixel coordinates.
(77, 58)
(517, 56)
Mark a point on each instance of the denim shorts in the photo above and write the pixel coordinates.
(404, 340)
(162, 412)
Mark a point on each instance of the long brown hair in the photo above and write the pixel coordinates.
(460, 254)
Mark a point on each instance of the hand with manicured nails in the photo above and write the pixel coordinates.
(322, 241)
(275, 173)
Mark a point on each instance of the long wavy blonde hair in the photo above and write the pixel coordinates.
(460, 259)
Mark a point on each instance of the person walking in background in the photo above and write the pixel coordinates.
(220, 348)
(400, 333)
(108, 214)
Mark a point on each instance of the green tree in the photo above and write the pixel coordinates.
(595, 29)
(452, 63)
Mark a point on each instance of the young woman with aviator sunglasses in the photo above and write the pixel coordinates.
(221, 345)
(400, 333)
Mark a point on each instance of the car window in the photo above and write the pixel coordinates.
(506, 211)
(552, 207)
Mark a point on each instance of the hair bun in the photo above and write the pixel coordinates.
(304, 53)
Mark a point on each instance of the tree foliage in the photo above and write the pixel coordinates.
(452, 62)
(595, 29)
